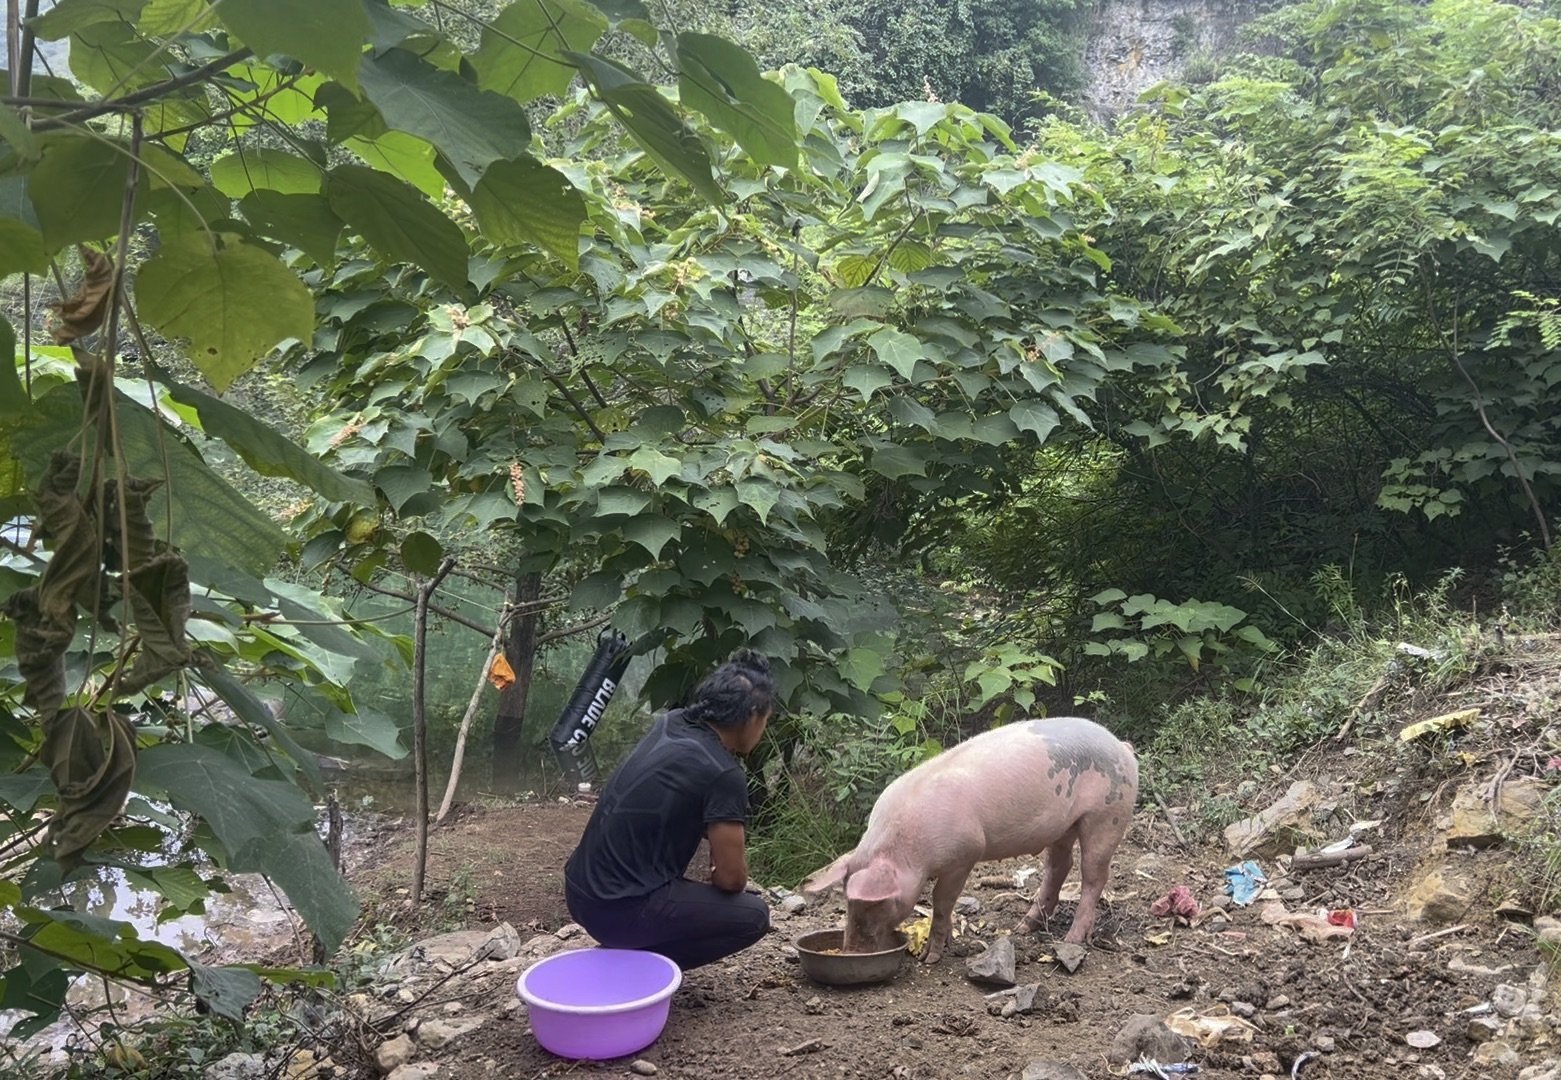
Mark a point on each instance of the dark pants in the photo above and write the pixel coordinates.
(689, 923)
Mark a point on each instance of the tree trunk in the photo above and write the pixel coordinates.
(521, 652)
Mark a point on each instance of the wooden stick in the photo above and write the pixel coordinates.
(466, 721)
(1170, 818)
(1423, 938)
(1332, 858)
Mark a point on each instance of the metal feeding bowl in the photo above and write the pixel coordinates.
(823, 962)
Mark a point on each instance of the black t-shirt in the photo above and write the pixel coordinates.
(652, 814)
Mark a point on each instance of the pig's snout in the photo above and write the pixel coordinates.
(870, 930)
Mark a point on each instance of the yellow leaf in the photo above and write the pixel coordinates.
(1445, 722)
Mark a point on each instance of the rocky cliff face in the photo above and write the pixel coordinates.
(1134, 44)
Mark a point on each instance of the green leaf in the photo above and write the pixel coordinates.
(210, 518)
(398, 222)
(268, 451)
(472, 128)
(897, 349)
(227, 991)
(760, 495)
(860, 667)
(69, 16)
(13, 397)
(522, 50)
(110, 57)
(239, 173)
(648, 117)
(165, 18)
(526, 202)
(182, 887)
(403, 156)
(366, 727)
(266, 827)
(79, 187)
(235, 304)
(651, 532)
(723, 82)
(658, 466)
(17, 134)
(420, 553)
(305, 222)
(867, 379)
(250, 709)
(21, 235)
(324, 34)
(1034, 416)
(41, 993)
(892, 462)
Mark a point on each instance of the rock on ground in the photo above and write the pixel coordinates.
(1145, 1035)
(996, 966)
(1050, 1070)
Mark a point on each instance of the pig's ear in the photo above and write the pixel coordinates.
(823, 880)
(876, 882)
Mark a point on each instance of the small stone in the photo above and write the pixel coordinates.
(437, 1034)
(1008, 1010)
(395, 1053)
(1069, 955)
(1024, 997)
(996, 965)
(1278, 1001)
(452, 1007)
(568, 930)
(238, 1066)
(1548, 1069)
(1050, 1070)
(510, 1008)
(1508, 1000)
(403, 996)
(422, 1070)
(641, 1067)
(1430, 1072)
(502, 944)
(1146, 1035)
(1423, 1039)
(1496, 1054)
(813, 1006)
(1483, 1029)
(1548, 929)
(1244, 1009)
(967, 905)
(795, 904)
(1324, 1044)
(789, 952)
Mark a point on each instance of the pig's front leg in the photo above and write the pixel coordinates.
(944, 893)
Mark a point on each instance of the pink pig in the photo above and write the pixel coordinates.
(1024, 788)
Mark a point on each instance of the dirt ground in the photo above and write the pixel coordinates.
(758, 1016)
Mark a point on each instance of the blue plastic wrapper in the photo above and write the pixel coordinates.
(1243, 882)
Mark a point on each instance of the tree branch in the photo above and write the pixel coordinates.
(139, 97)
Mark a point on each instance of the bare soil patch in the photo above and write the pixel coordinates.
(1354, 1001)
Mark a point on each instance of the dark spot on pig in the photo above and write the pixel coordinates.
(1059, 789)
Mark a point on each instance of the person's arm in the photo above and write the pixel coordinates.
(728, 855)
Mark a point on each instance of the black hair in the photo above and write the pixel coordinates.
(735, 691)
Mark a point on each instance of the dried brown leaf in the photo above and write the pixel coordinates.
(83, 311)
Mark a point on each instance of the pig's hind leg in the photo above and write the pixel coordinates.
(949, 885)
(1059, 861)
(1099, 836)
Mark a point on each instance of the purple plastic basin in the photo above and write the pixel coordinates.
(593, 1004)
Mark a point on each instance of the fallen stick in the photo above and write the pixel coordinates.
(808, 1047)
(1423, 938)
(1333, 858)
(1170, 818)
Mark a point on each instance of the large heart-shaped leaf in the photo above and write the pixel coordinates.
(472, 128)
(399, 222)
(525, 202)
(523, 49)
(323, 34)
(723, 82)
(235, 303)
